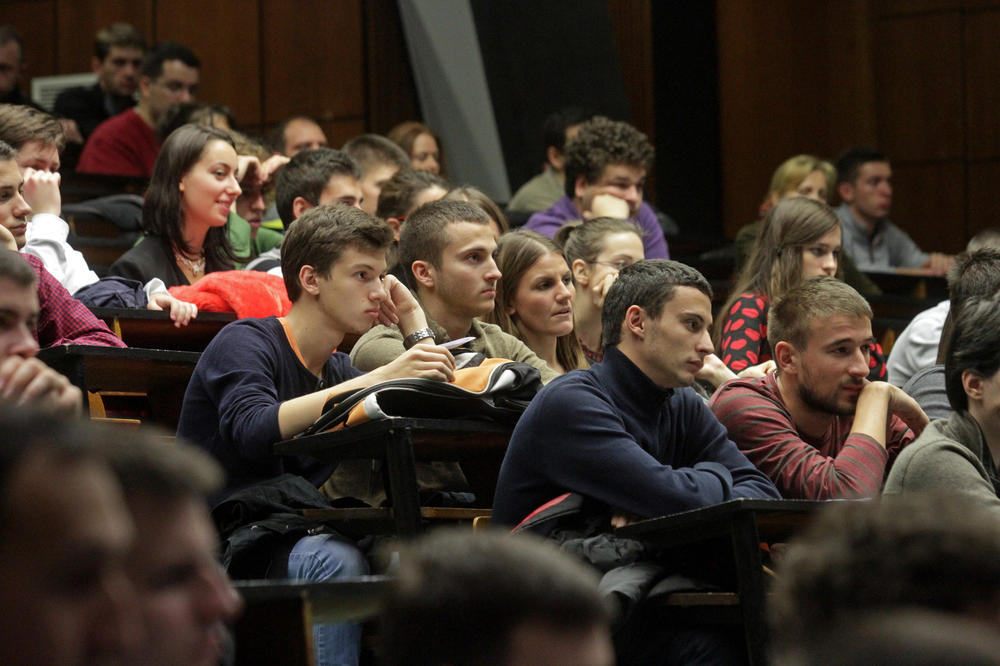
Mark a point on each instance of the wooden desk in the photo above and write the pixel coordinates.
(153, 329)
(734, 531)
(161, 374)
(914, 282)
(400, 442)
(276, 625)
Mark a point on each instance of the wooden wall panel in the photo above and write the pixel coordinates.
(982, 72)
(227, 43)
(631, 21)
(36, 21)
(919, 83)
(793, 78)
(928, 201)
(905, 7)
(77, 21)
(313, 59)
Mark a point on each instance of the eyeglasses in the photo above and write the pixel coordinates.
(619, 265)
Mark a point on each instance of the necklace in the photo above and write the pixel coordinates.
(196, 266)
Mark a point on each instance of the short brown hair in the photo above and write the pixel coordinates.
(790, 317)
(320, 236)
(153, 466)
(599, 142)
(122, 35)
(400, 192)
(425, 234)
(13, 267)
(21, 124)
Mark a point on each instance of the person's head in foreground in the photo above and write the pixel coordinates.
(922, 551)
(65, 535)
(491, 599)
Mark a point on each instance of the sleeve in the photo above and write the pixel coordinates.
(239, 374)
(47, 236)
(516, 350)
(544, 223)
(876, 364)
(899, 437)
(903, 251)
(744, 333)
(943, 466)
(64, 320)
(377, 347)
(593, 454)
(652, 233)
(765, 433)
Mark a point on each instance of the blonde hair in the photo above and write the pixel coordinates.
(790, 174)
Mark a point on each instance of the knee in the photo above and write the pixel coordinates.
(322, 557)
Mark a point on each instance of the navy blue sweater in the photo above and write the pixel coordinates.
(612, 435)
(231, 405)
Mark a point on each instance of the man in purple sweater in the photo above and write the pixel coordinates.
(606, 166)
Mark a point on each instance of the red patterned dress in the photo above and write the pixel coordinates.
(744, 337)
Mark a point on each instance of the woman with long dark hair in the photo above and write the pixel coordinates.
(193, 186)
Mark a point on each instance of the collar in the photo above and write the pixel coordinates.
(628, 385)
(862, 229)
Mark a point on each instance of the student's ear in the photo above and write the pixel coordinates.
(308, 280)
(580, 186)
(635, 321)
(300, 205)
(396, 226)
(972, 382)
(846, 192)
(580, 273)
(144, 84)
(95, 64)
(555, 157)
(786, 357)
(423, 273)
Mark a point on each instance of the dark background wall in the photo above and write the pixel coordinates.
(727, 90)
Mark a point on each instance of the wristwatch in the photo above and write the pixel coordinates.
(417, 336)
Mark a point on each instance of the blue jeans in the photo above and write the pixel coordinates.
(323, 557)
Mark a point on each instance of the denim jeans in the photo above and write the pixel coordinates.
(323, 557)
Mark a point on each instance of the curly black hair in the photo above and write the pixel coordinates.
(601, 141)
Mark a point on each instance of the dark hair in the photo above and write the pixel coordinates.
(425, 234)
(21, 124)
(321, 235)
(919, 550)
(399, 193)
(7, 151)
(973, 273)
(372, 150)
(306, 175)
(405, 135)
(192, 112)
(149, 465)
(775, 263)
(851, 160)
(162, 211)
(28, 432)
(789, 319)
(599, 142)
(122, 35)
(557, 122)
(152, 62)
(650, 284)
(277, 138)
(9, 33)
(477, 197)
(974, 346)
(517, 252)
(13, 267)
(460, 595)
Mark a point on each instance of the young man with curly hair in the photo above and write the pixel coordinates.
(606, 167)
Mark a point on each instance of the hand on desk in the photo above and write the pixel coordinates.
(938, 263)
(181, 312)
(29, 382)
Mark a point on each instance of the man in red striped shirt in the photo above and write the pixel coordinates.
(816, 425)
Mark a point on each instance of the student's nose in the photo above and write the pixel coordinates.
(829, 263)
(859, 364)
(116, 627)
(219, 600)
(564, 292)
(25, 344)
(493, 271)
(257, 203)
(21, 207)
(233, 186)
(705, 342)
(633, 195)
